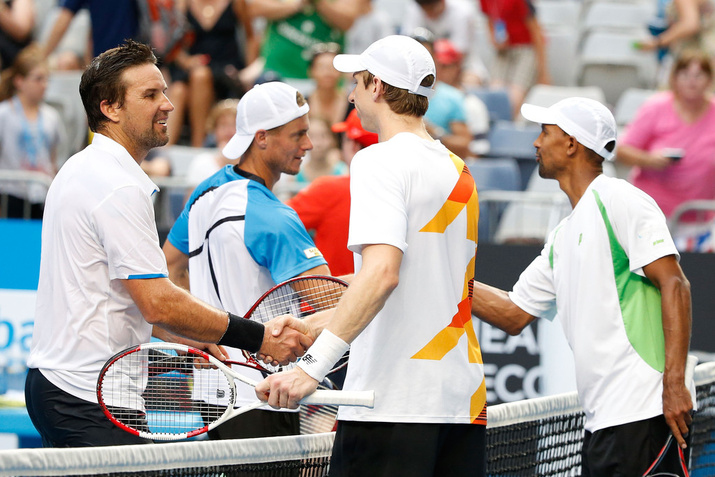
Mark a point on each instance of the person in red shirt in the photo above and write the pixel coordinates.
(324, 206)
(520, 48)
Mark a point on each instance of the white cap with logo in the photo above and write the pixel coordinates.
(398, 60)
(589, 121)
(265, 106)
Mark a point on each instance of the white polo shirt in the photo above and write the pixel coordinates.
(99, 227)
(590, 272)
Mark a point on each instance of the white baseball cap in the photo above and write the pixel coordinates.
(265, 106)
(398, 60)
(589, 121)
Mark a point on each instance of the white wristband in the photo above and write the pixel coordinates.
(325, 352)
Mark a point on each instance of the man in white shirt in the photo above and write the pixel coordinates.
(610, 270)
(413, 229)
(103, 278)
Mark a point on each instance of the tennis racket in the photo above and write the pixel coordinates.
(300, 297)
(654, 471)
(148, 390)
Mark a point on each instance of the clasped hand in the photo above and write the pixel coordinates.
(285, 340)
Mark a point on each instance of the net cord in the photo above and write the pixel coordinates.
(137, 458)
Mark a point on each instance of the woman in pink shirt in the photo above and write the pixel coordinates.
(671, 141)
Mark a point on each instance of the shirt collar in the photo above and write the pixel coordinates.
(249, 175)
(126, 161)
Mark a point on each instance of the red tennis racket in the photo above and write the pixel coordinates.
(148, 390)
(300, 297)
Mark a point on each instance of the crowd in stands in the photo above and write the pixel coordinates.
(491, 56)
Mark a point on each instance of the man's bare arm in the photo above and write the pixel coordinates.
(178, 265)
(668, 277)
(494, 306)
(167, 306)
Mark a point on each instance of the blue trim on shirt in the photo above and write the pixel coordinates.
(147, 275)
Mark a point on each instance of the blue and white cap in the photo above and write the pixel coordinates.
(398, 60)
(265, 106)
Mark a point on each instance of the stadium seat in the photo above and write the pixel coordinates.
(610, 61)
(562, 54)
(546, 95)
(493, 174)
(558, 13)
(618, 16)
(181, 157)
(628, 104)
(497, 102)
(511, 140)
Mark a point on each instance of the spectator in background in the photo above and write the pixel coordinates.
(221, 125)
(328, 98)
(454, 20)
(446, 117)
(520, 48)
(324, 206)
(30, 130)
(449, 63)
(208, 69)
(691, 25)
(17, 19)
(295, 26)
(112, 23)
(370, 27)
(671, 124)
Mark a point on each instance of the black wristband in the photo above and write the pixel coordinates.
(243, 334)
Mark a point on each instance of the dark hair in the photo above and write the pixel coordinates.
(400, 100)
(102, 80)
(322, 48)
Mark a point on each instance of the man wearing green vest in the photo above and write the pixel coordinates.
(610, 271)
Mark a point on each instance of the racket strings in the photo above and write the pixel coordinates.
(160, 392)
(308, 297)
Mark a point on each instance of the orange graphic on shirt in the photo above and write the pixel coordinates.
(463, 196)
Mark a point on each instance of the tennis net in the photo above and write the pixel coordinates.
(537, 437)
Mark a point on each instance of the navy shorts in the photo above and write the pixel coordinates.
(629, 449)
(64, 420)
(418, 450)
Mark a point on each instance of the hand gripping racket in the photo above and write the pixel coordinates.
(300, 297)
(147, 390)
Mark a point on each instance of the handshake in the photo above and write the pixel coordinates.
(285, 340)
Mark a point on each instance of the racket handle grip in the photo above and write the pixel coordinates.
(346, 398)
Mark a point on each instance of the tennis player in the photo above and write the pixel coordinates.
(610, 270)
(413, 229)
(103, 278)
(241, 239)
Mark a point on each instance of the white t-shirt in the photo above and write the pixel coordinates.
(591, 274)
(420, 353)
(99, 227)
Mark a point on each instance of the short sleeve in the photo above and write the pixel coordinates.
(126, 228)
(279, 242)
(534, 292)
(641, 229)
(378, 212)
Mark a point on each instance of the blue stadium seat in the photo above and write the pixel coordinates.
(494, 174)
(497, 102)
(508, 139)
